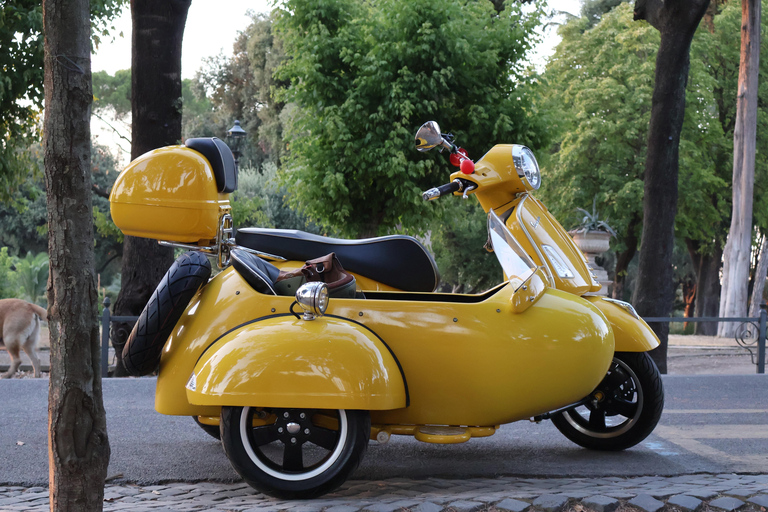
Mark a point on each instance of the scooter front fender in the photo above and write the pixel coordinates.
(281, 361)
(630, 332)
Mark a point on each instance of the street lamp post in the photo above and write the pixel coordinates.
(236, 135)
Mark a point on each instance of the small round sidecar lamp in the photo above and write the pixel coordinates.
(313, 299)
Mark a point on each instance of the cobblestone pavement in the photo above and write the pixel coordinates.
(702, 492)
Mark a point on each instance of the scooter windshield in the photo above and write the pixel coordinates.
(516, 264)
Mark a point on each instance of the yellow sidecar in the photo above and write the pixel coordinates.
(298, 383)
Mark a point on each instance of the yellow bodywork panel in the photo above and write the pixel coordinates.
(326, 363)
(545, 240)
(168, 194)
(631, 334)
(467, 360)
(496, 178)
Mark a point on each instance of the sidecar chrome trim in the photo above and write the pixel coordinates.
(625, 305)
(519, 216)
(213, 250)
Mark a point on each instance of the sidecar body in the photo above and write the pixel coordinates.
(409, 358)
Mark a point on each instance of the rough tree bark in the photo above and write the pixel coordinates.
(158, 29)
(623, 259)
(78, 451)
(676, 20)
(707, 269)
(734, 297)
(760, 275)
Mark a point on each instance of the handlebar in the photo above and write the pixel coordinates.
(448, 188)
(456, 185)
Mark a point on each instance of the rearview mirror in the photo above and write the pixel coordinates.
(428, 136)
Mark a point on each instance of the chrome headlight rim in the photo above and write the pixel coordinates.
(526, 166)
(313, 299)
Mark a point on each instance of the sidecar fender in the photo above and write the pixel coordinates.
(281, 361)
(631, 333)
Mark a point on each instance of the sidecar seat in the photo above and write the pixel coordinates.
(262, 276)
(396, 260)
(257, 272)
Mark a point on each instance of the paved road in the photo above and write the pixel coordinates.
(710, 449)
(711, 424)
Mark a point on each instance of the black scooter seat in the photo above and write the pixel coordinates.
(399, 261)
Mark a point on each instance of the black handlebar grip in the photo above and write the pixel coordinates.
(448, 188)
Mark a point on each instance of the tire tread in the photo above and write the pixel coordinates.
(187, 275)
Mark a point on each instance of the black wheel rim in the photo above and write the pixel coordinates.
(293, 444)
(613, 408)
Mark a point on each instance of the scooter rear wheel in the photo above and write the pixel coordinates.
(294, 453)
(622, 411)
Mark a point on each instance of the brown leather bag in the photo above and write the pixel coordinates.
(327, 269)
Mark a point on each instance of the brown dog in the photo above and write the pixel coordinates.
(20, 329)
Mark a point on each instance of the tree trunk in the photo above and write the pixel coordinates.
(158, 29)
(77, 429)
(707, 268)
(733, 301)
(623, 259)
(676, 20)
(760, 276)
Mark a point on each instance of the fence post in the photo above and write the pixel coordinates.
(761, 339)
(105, 339)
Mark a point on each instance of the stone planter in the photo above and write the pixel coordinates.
(593, 243)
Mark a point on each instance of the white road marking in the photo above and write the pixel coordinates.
(687, 437)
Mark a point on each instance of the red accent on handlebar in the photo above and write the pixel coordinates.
(467, 166)
(457, 158)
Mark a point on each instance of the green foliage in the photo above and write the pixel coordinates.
(113, 92)
(364, 76)
(31, 277)
(6, 271)
(600, 83)
(262, 201)
(21, 81)
(594, 10)
(24, 278)
(590, 220)
(248, 199)
(458, 241)
(717, 52)
(240, 87)
(23, 222)
(21, 88)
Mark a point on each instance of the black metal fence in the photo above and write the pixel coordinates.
(751, 333)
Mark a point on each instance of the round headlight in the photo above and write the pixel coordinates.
(527, 167)
(313, 299)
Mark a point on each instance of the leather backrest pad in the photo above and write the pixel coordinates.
(221, 159)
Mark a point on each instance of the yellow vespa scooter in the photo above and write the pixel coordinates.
(298, 378)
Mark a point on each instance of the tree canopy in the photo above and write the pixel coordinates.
(364, 76)
(21, 81)
(600, 83)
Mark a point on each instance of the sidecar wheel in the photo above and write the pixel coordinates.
(294, 453)
(625, 407)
